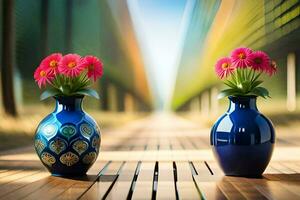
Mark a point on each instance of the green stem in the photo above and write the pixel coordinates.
(234, 78)
(257, 76)
(253, 75)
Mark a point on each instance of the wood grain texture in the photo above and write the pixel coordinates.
(160, 157)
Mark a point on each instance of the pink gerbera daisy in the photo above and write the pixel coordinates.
(272, 68)
(240, 57)
(51, 62)
(43, 76)
(71, 65)
(224, 67)
(94, 66)
(260, 61)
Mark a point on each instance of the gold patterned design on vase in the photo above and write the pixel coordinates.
(68, 131)
(57, 145)
(86, 130)
(96, 142)
(69, 159)
(80, 146)
(48, 159)
(89, 158)
(39, 145)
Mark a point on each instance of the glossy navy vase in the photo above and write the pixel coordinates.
(67, 141)
(243, 139)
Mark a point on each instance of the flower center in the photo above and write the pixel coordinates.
(258, 60)
(242, 56)
(53, 63)
(42, 73)
(91, 67)
(71, 64)
(225, 65)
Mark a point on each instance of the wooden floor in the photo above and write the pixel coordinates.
(160, 157)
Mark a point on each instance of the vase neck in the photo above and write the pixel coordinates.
(241, 103)
(68, 103)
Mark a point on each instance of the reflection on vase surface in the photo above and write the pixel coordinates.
(243, 138)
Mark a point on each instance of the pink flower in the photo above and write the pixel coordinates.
(43, 76)
(71, 65)
(240, 57)
(51, 62)
(260, 61)
(94, 66)
(224, 67)
(272, 68)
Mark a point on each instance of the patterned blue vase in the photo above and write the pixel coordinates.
(243, 139)
(67, 141)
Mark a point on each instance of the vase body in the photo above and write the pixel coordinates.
(67, 141)
(243, 139)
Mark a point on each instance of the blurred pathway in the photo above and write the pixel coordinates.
(159, 157)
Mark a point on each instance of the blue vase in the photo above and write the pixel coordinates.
(67, 141)
(243, 139)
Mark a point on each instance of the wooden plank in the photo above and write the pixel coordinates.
(281, 168)
(51, 189)
(15, 176)
(121, 188)
(99, 188)
(229, 190)
(29, 188)
(215, 168)
(43, 184)
(204, 175)
(175, 143)
(247, 190)
(272, 189)
(185, 142)
(292, 186)
(143, 186)
(185, 185)
(259, 190)
(288, 177)
(61, 186)
(80, 186)
(165, 186)
(277, 172)
(164, 143)
(293, 165)
(9, 173)
(207, 183)
(152, 144)
(22, 182)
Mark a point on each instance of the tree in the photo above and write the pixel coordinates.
(7, 63)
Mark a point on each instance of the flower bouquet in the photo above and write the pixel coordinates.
(67, 141)
(243, 138)
(242, 71)
(69, 75)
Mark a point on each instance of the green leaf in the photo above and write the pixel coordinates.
(49, 93)
(246, 86)
(88, 92)
(230, 84)
(255, 84)
(227, 92)
(256, 77)
(260, 91)
(65, 89)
